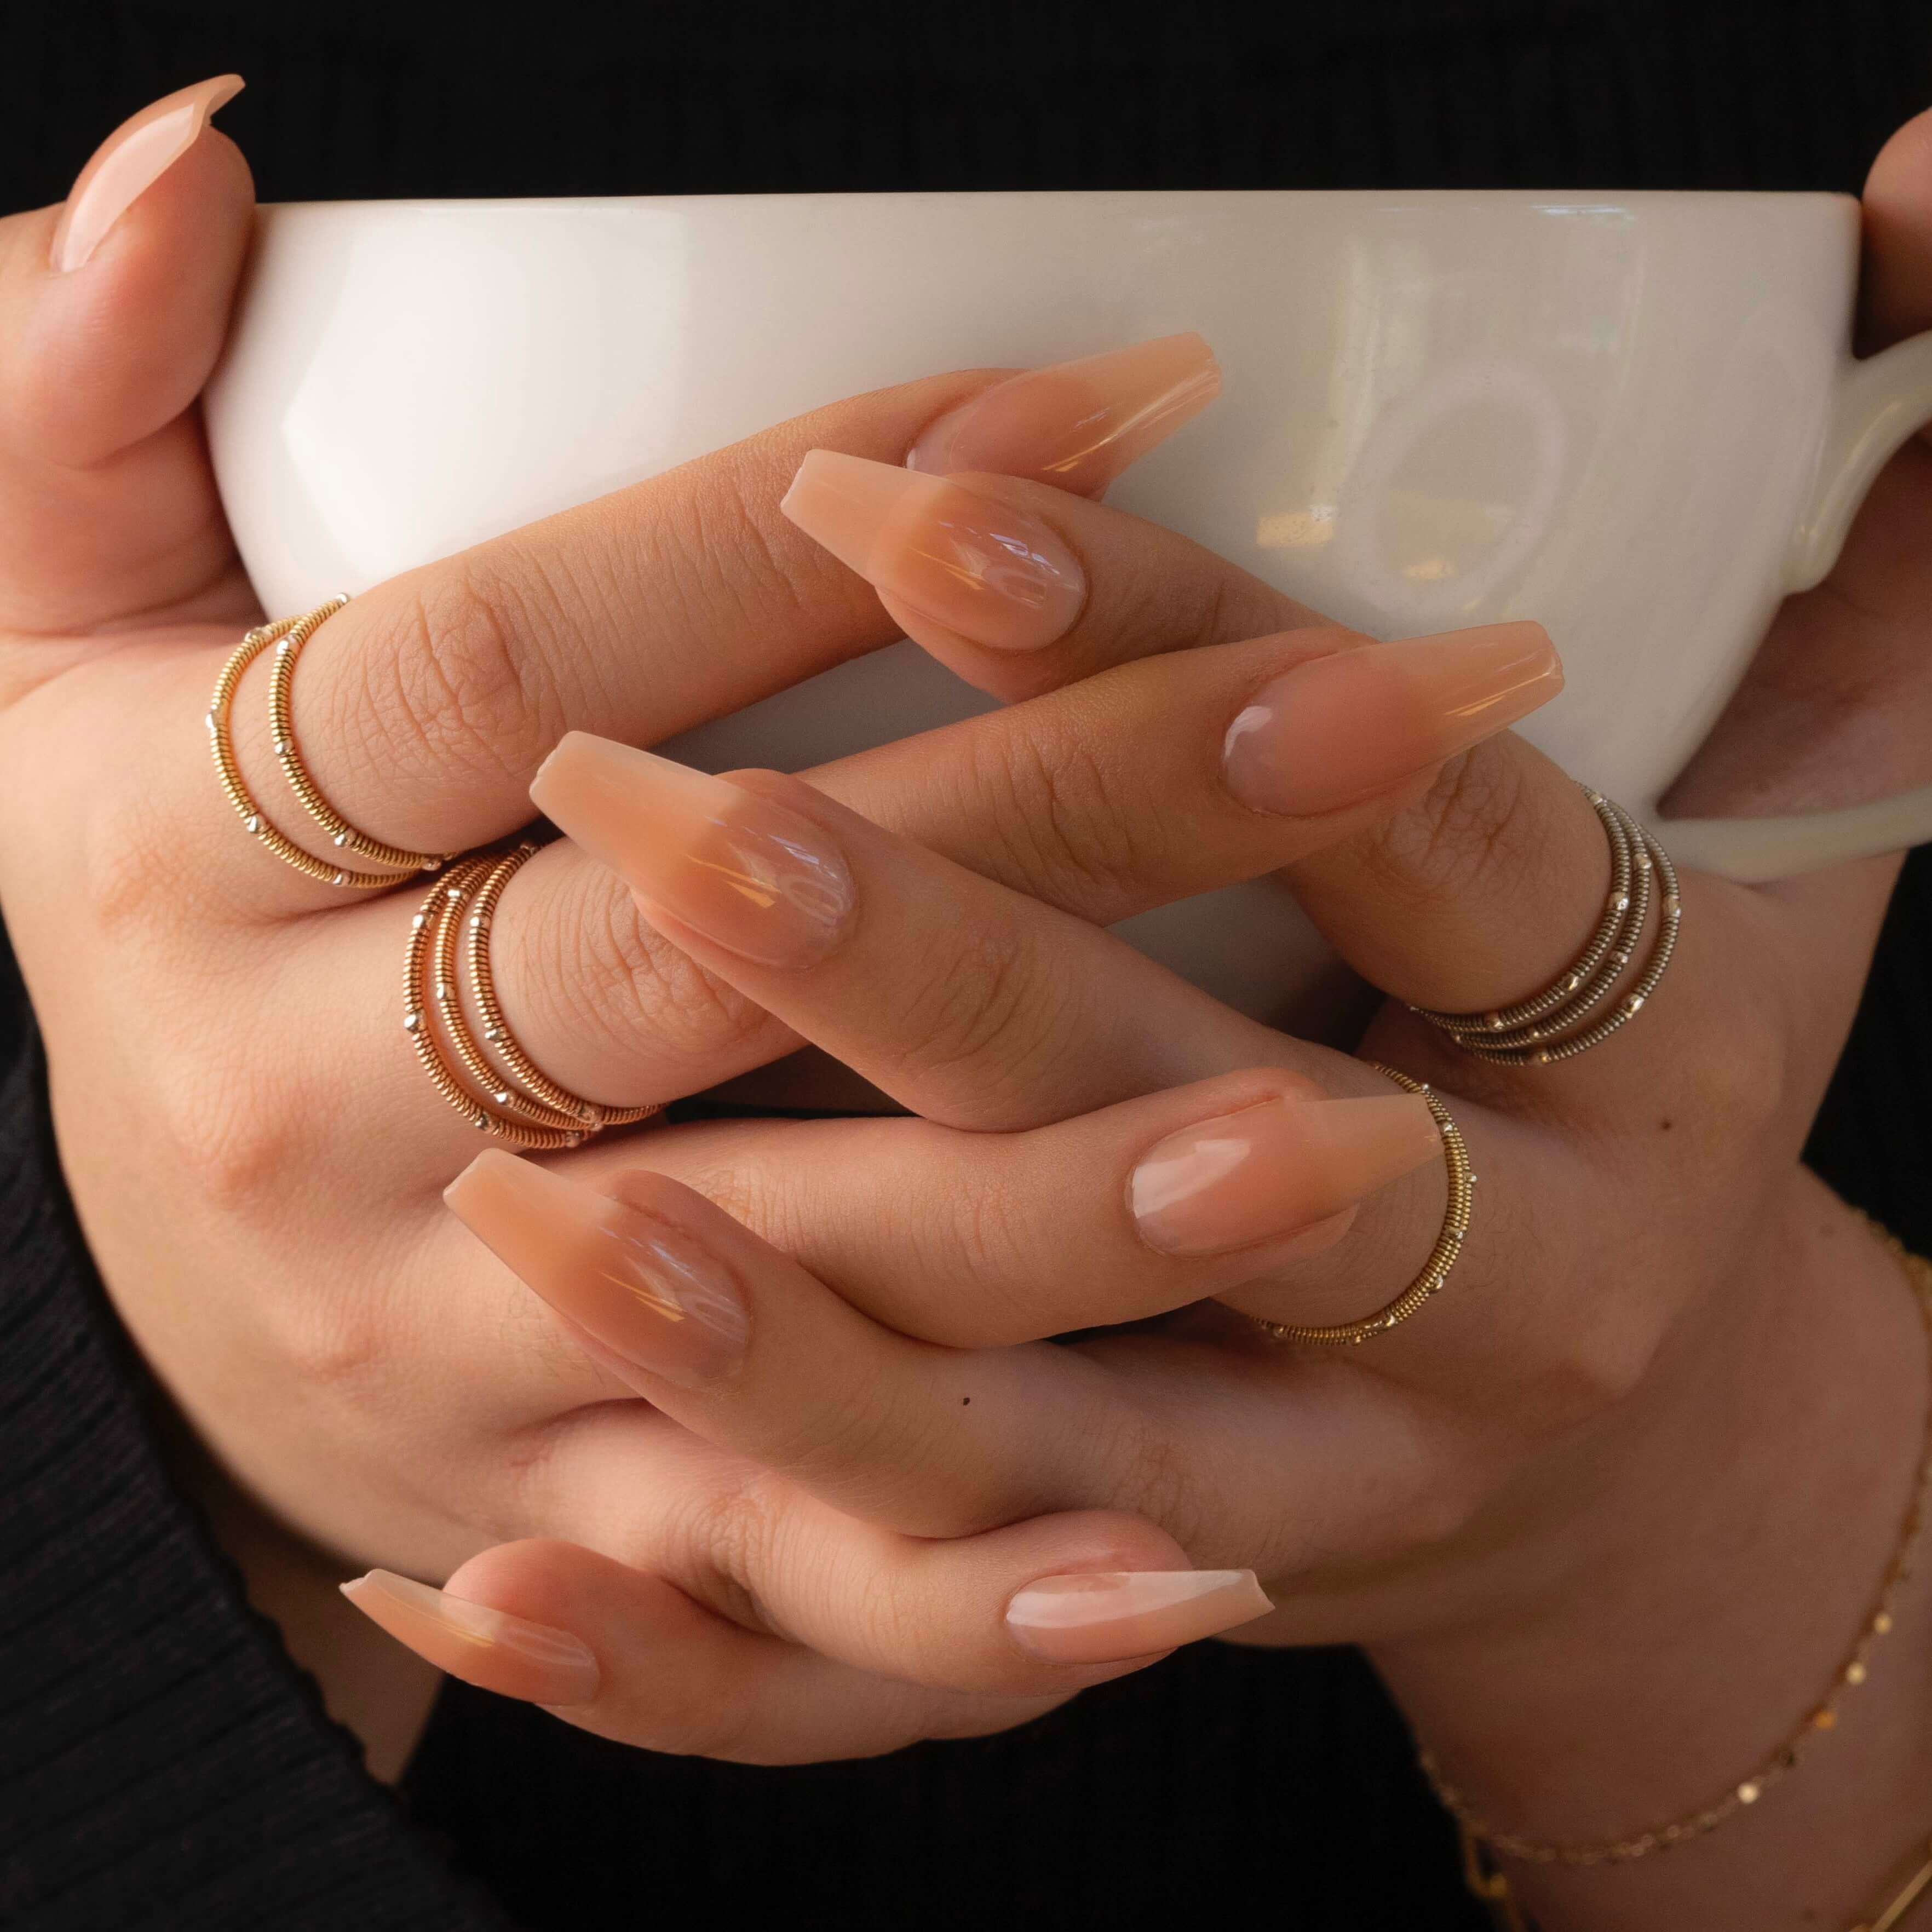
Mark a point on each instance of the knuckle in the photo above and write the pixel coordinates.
(1607, 1362)
(1423, 1494)
(1472, 828)
(713, 552)
(339, 1343)
(1742, 1081)
(226, 1126)
(984, 1000)
(730, 1530)
(449, 684)
(1156, 1478)
(598, 974)
(1434, 1511)
(1072, 834)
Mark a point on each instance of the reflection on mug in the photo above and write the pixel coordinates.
(1456, 488)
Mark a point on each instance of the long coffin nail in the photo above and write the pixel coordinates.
(1106, 1616)
(1341, 728)
(1076, 424)
(524, 1660)
(992, 574)
(1271, 1171)
(744, 871)
(647, 1289)
(130, 161)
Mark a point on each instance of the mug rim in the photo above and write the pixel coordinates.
(1528, 200)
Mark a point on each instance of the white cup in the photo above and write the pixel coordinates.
(1634, 418)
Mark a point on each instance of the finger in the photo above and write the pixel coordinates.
(1167, 1200)
(1076, 425)
(1896, 289)
(630, 1658)
(1357, 1472)
(958, 1237)
(998, 1615)
(112, 311)
(736, 1342)
(1018, 586)
(969, 1003)
(423, 708)
(1144, 784)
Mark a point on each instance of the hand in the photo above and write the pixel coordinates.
(1530, 1498)
(255, 1157)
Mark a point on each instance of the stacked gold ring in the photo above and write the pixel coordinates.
(1555, 1024)
(1442, 1257)
(449, 935)
(288, 635)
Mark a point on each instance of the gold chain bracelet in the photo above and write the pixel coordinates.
(1480, 1840)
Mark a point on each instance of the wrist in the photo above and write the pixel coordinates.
(1634, 1666)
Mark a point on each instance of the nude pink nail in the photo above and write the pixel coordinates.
(1106, 1616)
(529, 1660)
(648, 1289)
(945, 550)
(129, 162)
(1076, 424)
(740, 869)
(1341, 728)
(1271, 1171)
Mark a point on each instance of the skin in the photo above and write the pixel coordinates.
(1525, 1487)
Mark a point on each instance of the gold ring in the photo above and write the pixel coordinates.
(1535, 1032)
(1442, 1258)
(517, 1103)
(288, 634)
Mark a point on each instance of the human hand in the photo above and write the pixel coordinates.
(254, 1157)
(1634, 1373)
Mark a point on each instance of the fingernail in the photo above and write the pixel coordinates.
(945, 551)
(1103, 1616)
(524, 1660)
(1271, 1171)
(130, 161)
(743, 870)
(649, 1290)
(1341, 728)
(1076, 424)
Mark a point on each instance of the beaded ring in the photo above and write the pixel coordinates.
(288, 635)
(1442, 1257)
(1536, 1031)
(519, 1102)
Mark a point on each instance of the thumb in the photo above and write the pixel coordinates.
(1897, 293)
(112, 310)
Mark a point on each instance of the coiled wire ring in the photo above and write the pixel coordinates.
(1442, 1257)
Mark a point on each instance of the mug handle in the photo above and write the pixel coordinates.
(1881, 402)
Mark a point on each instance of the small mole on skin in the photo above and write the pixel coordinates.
(1664, 1126)
(965, 1402)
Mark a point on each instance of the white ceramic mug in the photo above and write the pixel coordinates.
(1635, 417)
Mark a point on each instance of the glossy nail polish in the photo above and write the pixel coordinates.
(741, 870)
(649, 1290)
(523, 1660)
(1270, 1171)
(1341, 728)
(943, 550)
(1106, 1616)
(129, 162)
(1076, 425)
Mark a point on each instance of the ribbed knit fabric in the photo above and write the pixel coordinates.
(161, 1763)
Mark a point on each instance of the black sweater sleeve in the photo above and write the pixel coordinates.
(161, 1761)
